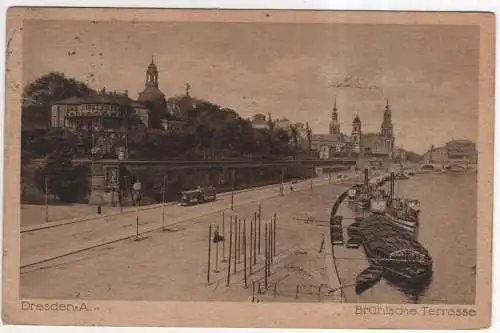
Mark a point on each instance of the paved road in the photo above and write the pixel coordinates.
(40, 245)
(173, 265)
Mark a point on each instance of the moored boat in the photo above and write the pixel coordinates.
(401, 256)
(402, 216)
(367, 278)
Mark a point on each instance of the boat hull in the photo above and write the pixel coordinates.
(404, 224)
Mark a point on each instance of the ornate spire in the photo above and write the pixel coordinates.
(152, 74)
(387, 105)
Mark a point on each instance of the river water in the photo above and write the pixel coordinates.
(447, 231)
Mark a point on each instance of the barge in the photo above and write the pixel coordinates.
(402, 258)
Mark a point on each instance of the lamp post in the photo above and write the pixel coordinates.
(121, 156)
(163, 193)
(46, 199)
(137, 198)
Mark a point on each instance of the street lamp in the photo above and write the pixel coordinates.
(121, 156)
(137, 187)
(163, 193)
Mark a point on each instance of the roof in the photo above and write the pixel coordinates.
(70, 100)
(150, 93)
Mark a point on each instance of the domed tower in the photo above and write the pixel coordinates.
(356, 134)
(334, 122)
(151, 96)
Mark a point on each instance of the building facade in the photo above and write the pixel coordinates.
(336, 143)
(113, 116)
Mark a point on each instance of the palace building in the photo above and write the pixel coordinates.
(112, 116)
(336, 143)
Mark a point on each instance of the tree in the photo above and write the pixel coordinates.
(53, 87)
(68, 182)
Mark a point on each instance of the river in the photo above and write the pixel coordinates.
(447, 230)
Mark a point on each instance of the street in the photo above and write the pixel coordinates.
(172, 265)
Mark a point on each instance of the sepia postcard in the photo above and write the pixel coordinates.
(248, 168)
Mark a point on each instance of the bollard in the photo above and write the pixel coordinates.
(297, 291)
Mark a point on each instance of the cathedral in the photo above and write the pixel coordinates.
(336, 143)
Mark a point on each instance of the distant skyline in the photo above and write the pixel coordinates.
(429, 73)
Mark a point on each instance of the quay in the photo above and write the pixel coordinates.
(68, 261)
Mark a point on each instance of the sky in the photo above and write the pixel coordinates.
(293, 70)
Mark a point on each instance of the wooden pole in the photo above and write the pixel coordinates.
(251, 245)
(217, 249)
(259, 229)
(235, 244)
(255, 239)
(239, 241)
(230, 248)
(274, 235)
(209, 252)
(270, 241)
(266, 258)
(46, 199)
(137, 227)
(232, 189)
(245, 250)
(223, 239)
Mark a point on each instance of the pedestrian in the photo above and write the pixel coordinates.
(99, 209)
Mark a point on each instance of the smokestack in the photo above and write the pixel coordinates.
(366, 177)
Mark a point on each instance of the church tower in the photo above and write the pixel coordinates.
(152, 97)
(386, 127)
(152, 75)
(334, 121)
(356, 134)
(386, 130)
